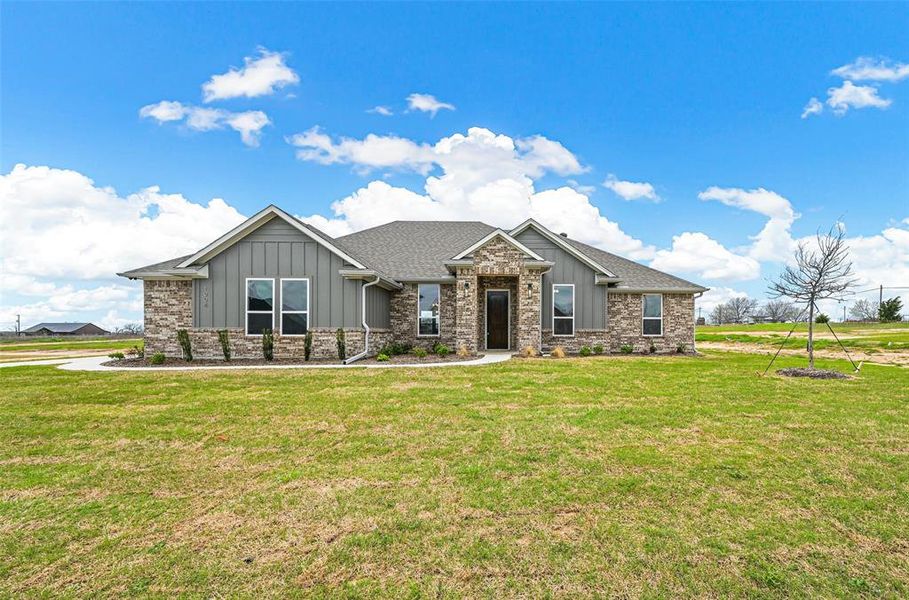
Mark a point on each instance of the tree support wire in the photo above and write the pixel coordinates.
(794, 325)
(842, 346)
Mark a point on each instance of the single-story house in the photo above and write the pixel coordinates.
(65, 329)
(465, 284)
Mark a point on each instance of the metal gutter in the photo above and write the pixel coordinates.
(365, 326)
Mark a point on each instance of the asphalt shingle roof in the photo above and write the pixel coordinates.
(56, 327)
(161, 266)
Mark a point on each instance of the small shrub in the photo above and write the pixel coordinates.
(224, 338)
(268, 344)
(116, 355)
(598, 349)
(822, 318)
(420, 352)
(382, 357)
(529, 352)
(627, 349)
(558, 352)
(307, 346)
(585, 351)
(157, 358)
(442, 350)
(139, 351)
(185, 344)
(463, 352)
(680, 348)
(341, 339)
(396, 348)
(652, 348)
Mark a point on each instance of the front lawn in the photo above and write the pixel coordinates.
(612, 476)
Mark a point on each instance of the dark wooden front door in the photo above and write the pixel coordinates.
(497, 319)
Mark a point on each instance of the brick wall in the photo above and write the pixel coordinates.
(624, 323)
(404, 316)
(168, 307)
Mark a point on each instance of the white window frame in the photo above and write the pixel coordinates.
(554, 286)
(643, 318)
(507, 314)
(296, 312)
(247, 312)
(438, 317)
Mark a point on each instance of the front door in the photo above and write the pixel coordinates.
(497, 325)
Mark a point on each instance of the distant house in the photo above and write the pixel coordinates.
(65, 329)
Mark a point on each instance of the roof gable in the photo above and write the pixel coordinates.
(563, 243)
(253, 223)
(497, 233)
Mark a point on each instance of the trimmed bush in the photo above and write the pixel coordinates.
(185, 344)
(224, 338)
(307, 346)
(268, 344)
(680, 348)
(341, 339)
(529, 352)
(382, 357)
(627, 349)
(598, 349)
(558, 352)
(585, 351)
(442, 350)
(652, 348)
(419, 352)
(116, 355)
(396, 348)
(157, 358)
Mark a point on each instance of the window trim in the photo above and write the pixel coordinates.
(246, 311)
(438, 317)
(295, 312)
(554, 286)
(643, 318)
(486, 315)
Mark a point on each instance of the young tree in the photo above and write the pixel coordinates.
(779, 311)
(864, 310)
(818, 273)
(740, 308)
(890, 310)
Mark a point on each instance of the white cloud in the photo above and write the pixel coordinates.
(587, 190)
(696, 253)
(814, 107)
(482, 175)
(774, 242)
(248, 124)
(717, 295)
(381, 110)
(849, 95)
(866, 68)
(259, 76)
(631, 190)
(427, 103)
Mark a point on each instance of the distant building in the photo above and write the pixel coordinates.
(701, 321)
(65, 329)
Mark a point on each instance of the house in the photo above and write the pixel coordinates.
(460, 283)
(65, 329)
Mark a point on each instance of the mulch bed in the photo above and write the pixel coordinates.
(170, 362)
(812, 373)
(411, 359)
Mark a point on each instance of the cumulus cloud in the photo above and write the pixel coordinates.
(696, 253)
(481, 175)
(427, 103)
(381, 110)
(866, 68)
(849, 95)
(631, 190)
(717, 295)
(814, 107)
(260, 75)
(248, 124)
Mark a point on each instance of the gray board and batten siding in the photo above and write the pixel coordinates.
(589, 298)
(275, 250)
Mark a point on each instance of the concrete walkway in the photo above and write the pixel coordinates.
(93, 363)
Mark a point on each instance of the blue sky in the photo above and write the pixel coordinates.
(684, 98)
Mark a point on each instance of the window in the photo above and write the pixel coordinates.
(653, 314)
(294, 306)
(260, 305)
(563, 309)
(428, 309)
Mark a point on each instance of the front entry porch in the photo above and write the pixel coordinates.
(497, 319)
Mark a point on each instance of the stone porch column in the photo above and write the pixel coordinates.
(529, 305)
(466, 310)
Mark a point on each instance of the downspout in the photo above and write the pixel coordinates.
(365, 326)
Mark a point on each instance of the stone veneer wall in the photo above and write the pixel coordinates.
(404, 306)
(168, 307)
(498, 258)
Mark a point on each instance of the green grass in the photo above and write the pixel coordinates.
(616, 476)
(68, 344)
(847, 328)
(858, 336)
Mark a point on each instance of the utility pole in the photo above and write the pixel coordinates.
(880, 301)
(844, 313)
(18, 326)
